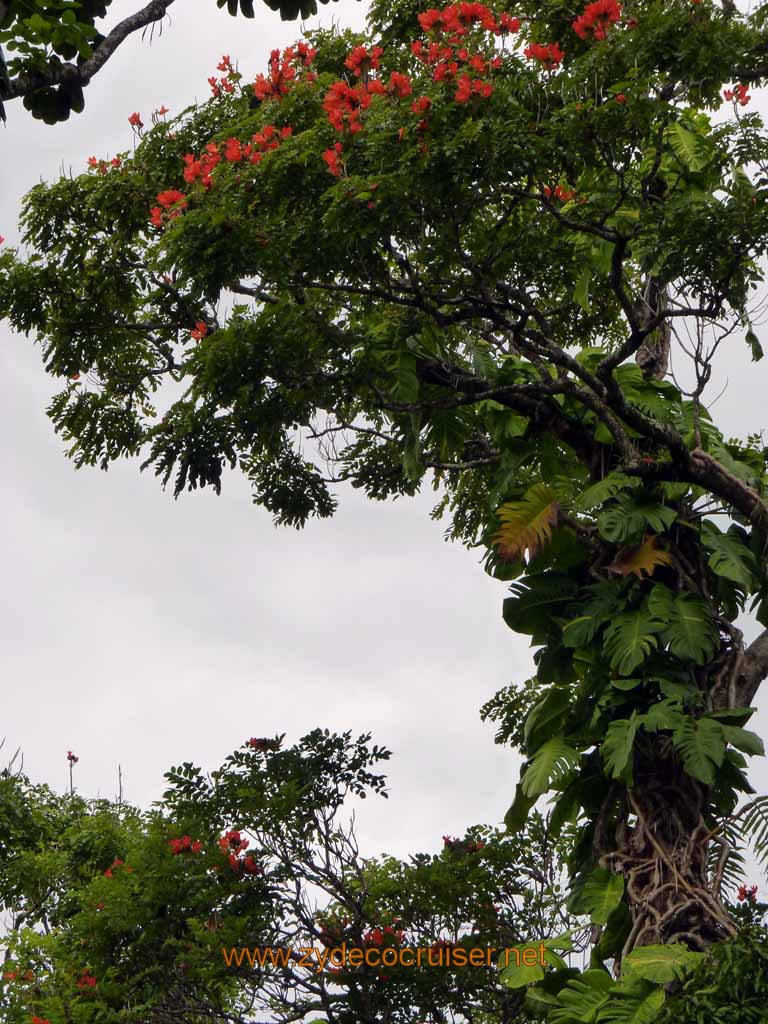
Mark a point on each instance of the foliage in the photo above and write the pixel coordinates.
(123, 916)
(56, 48)
(460, 248)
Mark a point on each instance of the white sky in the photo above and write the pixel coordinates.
(142, 631)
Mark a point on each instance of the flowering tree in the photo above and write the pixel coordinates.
(465, 247)
(56, 48)
(122, 916)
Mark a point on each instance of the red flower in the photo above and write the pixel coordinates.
(215, 87)
(281, 74)
(199, 331)
(548, 54)
(620, 98)
(738, 94)
(360, 61)
(429, 19)
(116, 161)
(171, 197)
(399, 85)
(224, 64)
(333, 158)
(597, 19)
(162, 111)
(86, 981)
(71, 757)
(135, 121)
(40, 1020)
(196, 847)
(233, 150)
(468, 87)
(343, 104)
(156, 216)
(92, 161)
(421, 105)
(508, 24)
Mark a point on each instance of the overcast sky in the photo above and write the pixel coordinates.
(145, 631)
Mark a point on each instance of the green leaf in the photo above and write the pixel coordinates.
(600, 895)
(514, 976)
(692, 150)
(581, 291)
(629, 639)
(582, 997)
(536, 600)
(702, 746)
(604, 489)
(628, 517)
(545, 718)
(690, 632)
(617, 747)
(745, 740)
(517, 816)
(551, 762)
(754, 344)
(729, 557)
(660, 964)
(632, 1008)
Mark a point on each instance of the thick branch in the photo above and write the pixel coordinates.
(24, 84)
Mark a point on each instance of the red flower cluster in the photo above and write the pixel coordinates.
(468, 87)
(172, 203)
(564, 195)
(343, 104)
(117, 863)
(71, 757)
(263, 743)
(360, 61)
(282, 71)
(232, 841)
(378, 936)
(86, 980)
(456, 19)
(739, 94)
(40, 1020)
(185, 843)
(745, 894)
(548, 54)
(508, 24)
(597, 19)
(135, 121)
(334, 159)
(102, 166)
(199, 331)
(202, 166)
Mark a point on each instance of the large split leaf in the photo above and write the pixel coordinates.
(630, 638)
(536, 601)
(660, 964)
(690, 631)
(640, 559)
(599, 896)
(729, 556)
(702, 747)
(618, 746)
(628, 517)
(551, 762)
(526, 524)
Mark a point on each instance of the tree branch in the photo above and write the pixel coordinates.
(24, 84)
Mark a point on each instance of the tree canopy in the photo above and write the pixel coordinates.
(127, 916)
(462, 248)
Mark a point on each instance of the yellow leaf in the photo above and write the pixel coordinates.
(526, 524)
(641, 559)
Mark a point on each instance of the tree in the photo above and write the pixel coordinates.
(463, 247)
(46, 36)
(119, 915)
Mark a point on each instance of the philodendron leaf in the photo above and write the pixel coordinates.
(618, 746)
(527, 524)
(660, 964)
(689, 632)
(702, 746)
(630, 638)
(634, 1007)
(552, 761)
(599, 896)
